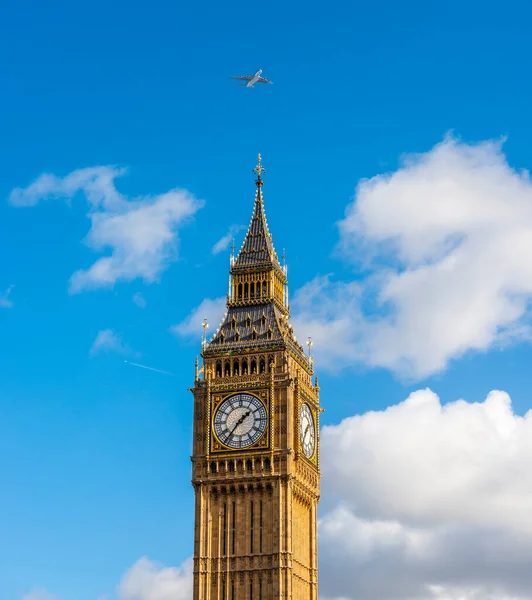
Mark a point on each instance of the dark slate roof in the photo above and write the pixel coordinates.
(257, 250)
(261, 326)
(241, 322)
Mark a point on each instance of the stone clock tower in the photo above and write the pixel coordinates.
(255, 462)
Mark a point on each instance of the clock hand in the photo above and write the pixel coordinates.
(240, 421)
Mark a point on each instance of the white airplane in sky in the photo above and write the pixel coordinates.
(251, 79)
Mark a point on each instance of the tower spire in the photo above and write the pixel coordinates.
(257, 249)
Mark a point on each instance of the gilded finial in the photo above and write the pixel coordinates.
(232, 257)
(204, 340)
(259, 170)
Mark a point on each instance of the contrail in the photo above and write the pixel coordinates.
(149, 368)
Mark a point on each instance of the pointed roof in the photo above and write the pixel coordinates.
(257, 251)
(259, 323)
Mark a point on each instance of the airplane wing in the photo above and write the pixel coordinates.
(264, 80)
(242, 77)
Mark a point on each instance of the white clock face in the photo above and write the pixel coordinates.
(307, 431)
(240, 421)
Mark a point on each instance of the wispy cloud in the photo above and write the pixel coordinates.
(108, 340)
(139, 300)
(147, 580)
(190, 326)
(5, 300)
(223, 243)
(39, 594)
(140, 235)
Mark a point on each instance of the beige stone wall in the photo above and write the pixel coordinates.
(282, 563)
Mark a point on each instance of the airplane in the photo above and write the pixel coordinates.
(251, 79)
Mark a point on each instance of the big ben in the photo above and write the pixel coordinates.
(255, 460)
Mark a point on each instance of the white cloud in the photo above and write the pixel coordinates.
(223, 243)
(5, 301)
(146, 580)
(436, 497)
(139, 236)
(190, 327)
(139, 300)
(108, 340)
(39, 594)
(478, 593)
(447, 240)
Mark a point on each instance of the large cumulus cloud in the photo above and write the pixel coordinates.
(428, 501)
(445, 242)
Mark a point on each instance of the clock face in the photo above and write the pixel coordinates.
(240, 421)
(307, 432)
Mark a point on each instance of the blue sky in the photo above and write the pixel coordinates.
(94, 452)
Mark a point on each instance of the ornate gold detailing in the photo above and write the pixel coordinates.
(259, 169)
(207, 428)
(297, 408)
(272, 407)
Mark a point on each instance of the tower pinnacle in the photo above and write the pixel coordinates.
(259, 170)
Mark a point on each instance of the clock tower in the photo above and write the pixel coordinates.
(255, 460)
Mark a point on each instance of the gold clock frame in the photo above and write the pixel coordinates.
(262, 444)
(302, 398)
(313, 416)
